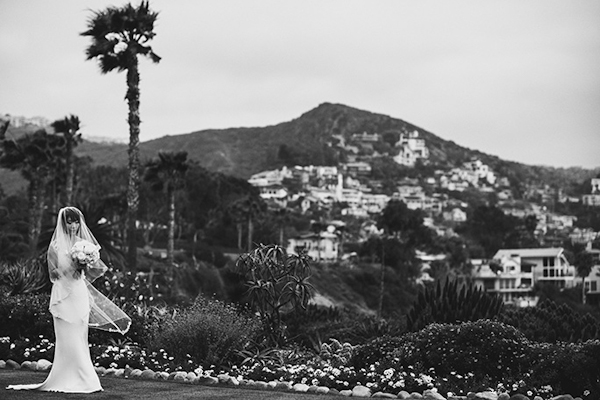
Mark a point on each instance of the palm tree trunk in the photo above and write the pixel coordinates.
(133, 197)
(250, 228)
(171, 239)
(70, 173)
(381, 282)
(239, 227)
(37, 202)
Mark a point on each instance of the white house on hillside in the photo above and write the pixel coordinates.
(323, 246)
(513, 273)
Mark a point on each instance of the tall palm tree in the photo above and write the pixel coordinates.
(119, 35)
(69, 128)
(168, 172)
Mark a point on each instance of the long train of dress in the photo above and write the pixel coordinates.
(72, 370)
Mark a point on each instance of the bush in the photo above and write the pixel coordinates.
(550, 322)
(209, 332)
(472, 355)
(572, 368)
(25, 315)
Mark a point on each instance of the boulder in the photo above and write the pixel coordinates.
(207, 380)
(135, 373)
(562, 397)
(101, 371)
(403, 394)
(180, 376)
(430, 394)
(487, 395)
(383, 395)
(147, 374)
(361, 391)
(28, 365)
(191, 376)
(261, 385)
(323, 390)
(45, 365)
(503, 396)
(519, 396)
(2, 364)
(283, 386)
(346, 393)
(223, 378)
(300, 387)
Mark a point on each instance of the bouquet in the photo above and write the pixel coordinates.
(84, 254)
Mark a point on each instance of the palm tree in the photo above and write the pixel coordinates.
(168, 172)
(119, 35)
(69, 127)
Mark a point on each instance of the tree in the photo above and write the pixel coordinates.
(36, 155)
(119, 35)
(278, 283)
(69, 128)
(584, 262)
(168, 172)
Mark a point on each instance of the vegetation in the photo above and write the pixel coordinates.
(119, 36)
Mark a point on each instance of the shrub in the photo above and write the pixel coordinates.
(572, 368)
(452, 304)
(471, 355)
(209, 332)
(26, 277)
(550, 322)
(25, 315)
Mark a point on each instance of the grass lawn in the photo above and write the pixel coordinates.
(119, 388)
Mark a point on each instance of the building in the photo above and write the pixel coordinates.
(512, 273)
(323, 246)
(411, 148)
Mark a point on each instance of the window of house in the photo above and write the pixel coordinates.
(594, 286)
(526, 281)
(526, 268)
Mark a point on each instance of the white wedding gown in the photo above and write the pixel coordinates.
(72, 370)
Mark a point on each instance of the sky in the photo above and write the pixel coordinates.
(512, 78)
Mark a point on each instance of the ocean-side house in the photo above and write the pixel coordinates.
(512, 273)
(321, 247)
(374, 203)
(481, 170)
(592, 281)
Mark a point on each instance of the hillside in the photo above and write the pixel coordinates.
(308, 139)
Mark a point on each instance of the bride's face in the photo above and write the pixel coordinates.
(72, 226)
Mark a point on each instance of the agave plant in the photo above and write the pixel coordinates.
(25, 277)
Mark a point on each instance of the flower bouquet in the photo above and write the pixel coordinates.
(84, 254)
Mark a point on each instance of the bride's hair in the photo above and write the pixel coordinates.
(71, 215)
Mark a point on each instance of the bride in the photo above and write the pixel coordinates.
(73, 263)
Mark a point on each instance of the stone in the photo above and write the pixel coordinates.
(471, 395)
(101, 371)
(519, 396)
(403, 394)
(147, 374)
(28, 365)
(127, 371)
(207, 380)
(361, 391)
(333, 392)
(180, 376)
(45, 365)
(346, 393)
(171, 376)
(312, 389)
(456, 397)
(383, 395)
(261, 385)
(272, 384)
(323, 390)
(223, 378)
(563, 397)
(487, 395)
(135, 373)
(191, 376)
(430, 394)
(12, 364)
(283, 386)
(503, 396)
(233, 381)
(415, 396)
(300, 387)
(537, 398)
(2, 364)
(119, 373)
